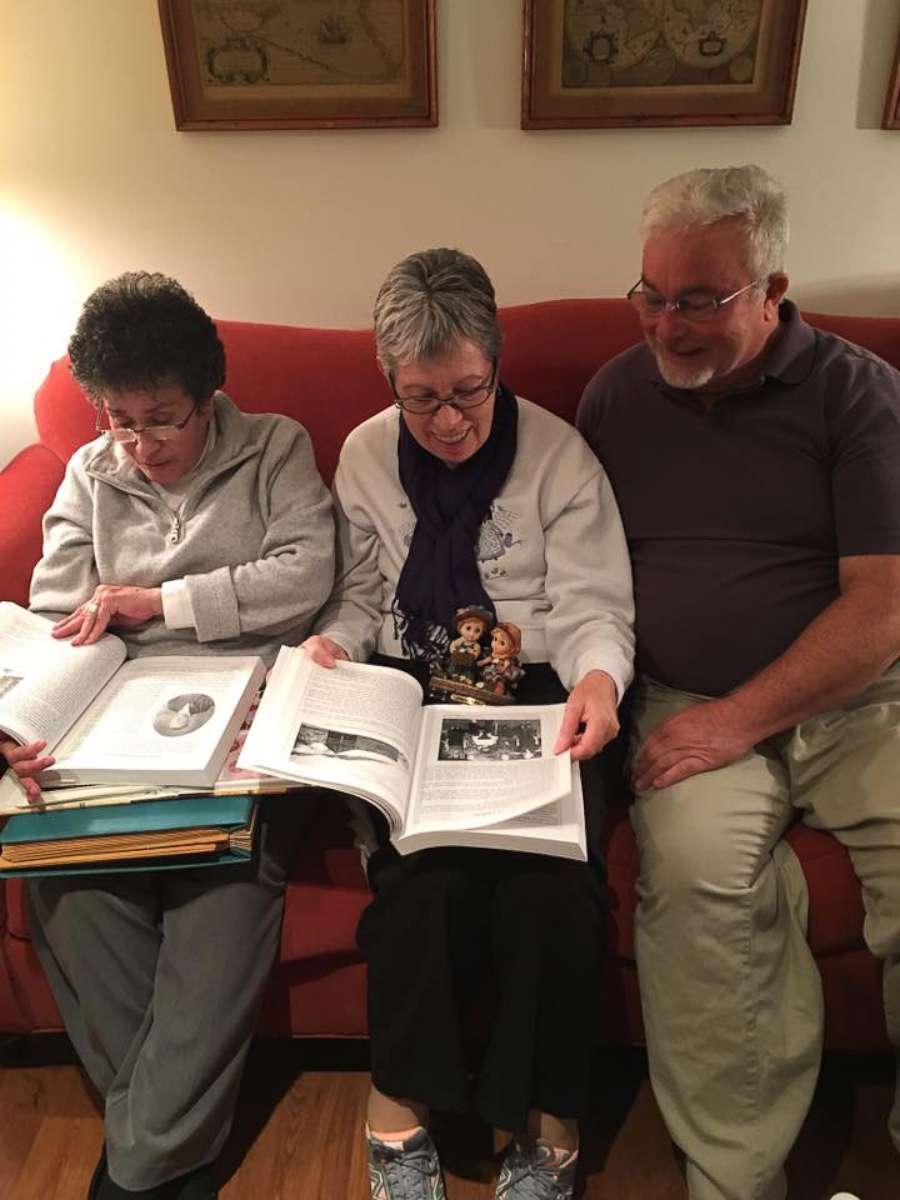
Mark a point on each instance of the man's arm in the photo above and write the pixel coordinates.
(848, 646)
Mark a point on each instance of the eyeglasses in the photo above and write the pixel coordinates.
(461, 398)
(159, 433)
(692, 306)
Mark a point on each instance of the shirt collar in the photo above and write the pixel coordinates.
(790, 360)
(791, 357)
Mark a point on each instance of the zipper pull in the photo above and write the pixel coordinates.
(176, 530)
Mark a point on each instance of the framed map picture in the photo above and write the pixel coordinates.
(300, 64)
(892, 103)
(594, 63)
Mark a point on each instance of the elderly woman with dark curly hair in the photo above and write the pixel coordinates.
(188, 527)
(420, 488)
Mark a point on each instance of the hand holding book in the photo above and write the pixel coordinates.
(593, 705)
(27, 761)
(324, 651)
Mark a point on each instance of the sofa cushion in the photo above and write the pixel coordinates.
(27, 484)
(327, 893)
(835, 901)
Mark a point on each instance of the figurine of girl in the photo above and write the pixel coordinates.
(501, 671)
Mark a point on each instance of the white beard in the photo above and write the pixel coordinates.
(685, 376)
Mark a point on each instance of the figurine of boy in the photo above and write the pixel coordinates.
(500, 670)
(471, 623)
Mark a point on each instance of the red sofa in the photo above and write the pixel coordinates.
(329, 381)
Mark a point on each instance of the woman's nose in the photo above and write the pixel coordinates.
(447, 416)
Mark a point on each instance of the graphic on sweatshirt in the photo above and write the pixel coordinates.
(495, 538)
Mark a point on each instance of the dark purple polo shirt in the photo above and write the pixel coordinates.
(736, 515)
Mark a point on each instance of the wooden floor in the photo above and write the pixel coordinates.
(297, 1131)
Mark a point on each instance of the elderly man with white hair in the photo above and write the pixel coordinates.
(756, 462)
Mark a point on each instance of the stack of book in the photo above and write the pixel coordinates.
(145, 754)
(210, 830)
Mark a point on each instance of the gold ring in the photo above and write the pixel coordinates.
(92, 608)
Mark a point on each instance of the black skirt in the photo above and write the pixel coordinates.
(485, 965)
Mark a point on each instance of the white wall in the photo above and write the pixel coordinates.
(300, 226)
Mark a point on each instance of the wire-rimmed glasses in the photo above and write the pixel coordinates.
(692, 306)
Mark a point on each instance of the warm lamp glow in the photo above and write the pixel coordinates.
(40, 298)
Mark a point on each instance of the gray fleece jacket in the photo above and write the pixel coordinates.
(253, 540)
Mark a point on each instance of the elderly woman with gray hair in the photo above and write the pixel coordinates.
(416, 488)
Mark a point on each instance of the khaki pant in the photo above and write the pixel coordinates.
(731, 995)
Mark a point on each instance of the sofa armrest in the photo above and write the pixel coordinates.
(27, 486)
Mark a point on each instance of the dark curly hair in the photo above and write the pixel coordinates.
(142, 331)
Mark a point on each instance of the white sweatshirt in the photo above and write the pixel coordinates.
(551, 554)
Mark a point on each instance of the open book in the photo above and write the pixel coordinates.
(231, 781)
(168, 720)
(453, 774)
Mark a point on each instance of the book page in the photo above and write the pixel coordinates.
(557, 829)
(377, 703)
(481, 765)
(163, 715)
(14, 799)
(44, 682)
(548, 815)
(352, 727)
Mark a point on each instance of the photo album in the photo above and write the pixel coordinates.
(164, 720)
(453, 774)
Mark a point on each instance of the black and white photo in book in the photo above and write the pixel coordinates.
(473, 739)
(312, 739)
(183, 714)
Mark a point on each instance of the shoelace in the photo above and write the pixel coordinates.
(406, 1169)
(534, 1175)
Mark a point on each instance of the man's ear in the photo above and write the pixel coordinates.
(776, 289)
(204, 407)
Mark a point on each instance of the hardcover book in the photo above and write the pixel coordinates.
(161, 720)
(455, 775)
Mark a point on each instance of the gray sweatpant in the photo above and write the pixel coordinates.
(158, 977)
(731, 995)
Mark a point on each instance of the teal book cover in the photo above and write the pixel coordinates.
(228, 858)
(182, 812)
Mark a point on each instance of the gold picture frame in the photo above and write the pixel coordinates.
(301, 64)
(891, 119)
(592, 64)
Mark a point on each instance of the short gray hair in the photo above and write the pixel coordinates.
(429, 303)
(708, 195)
